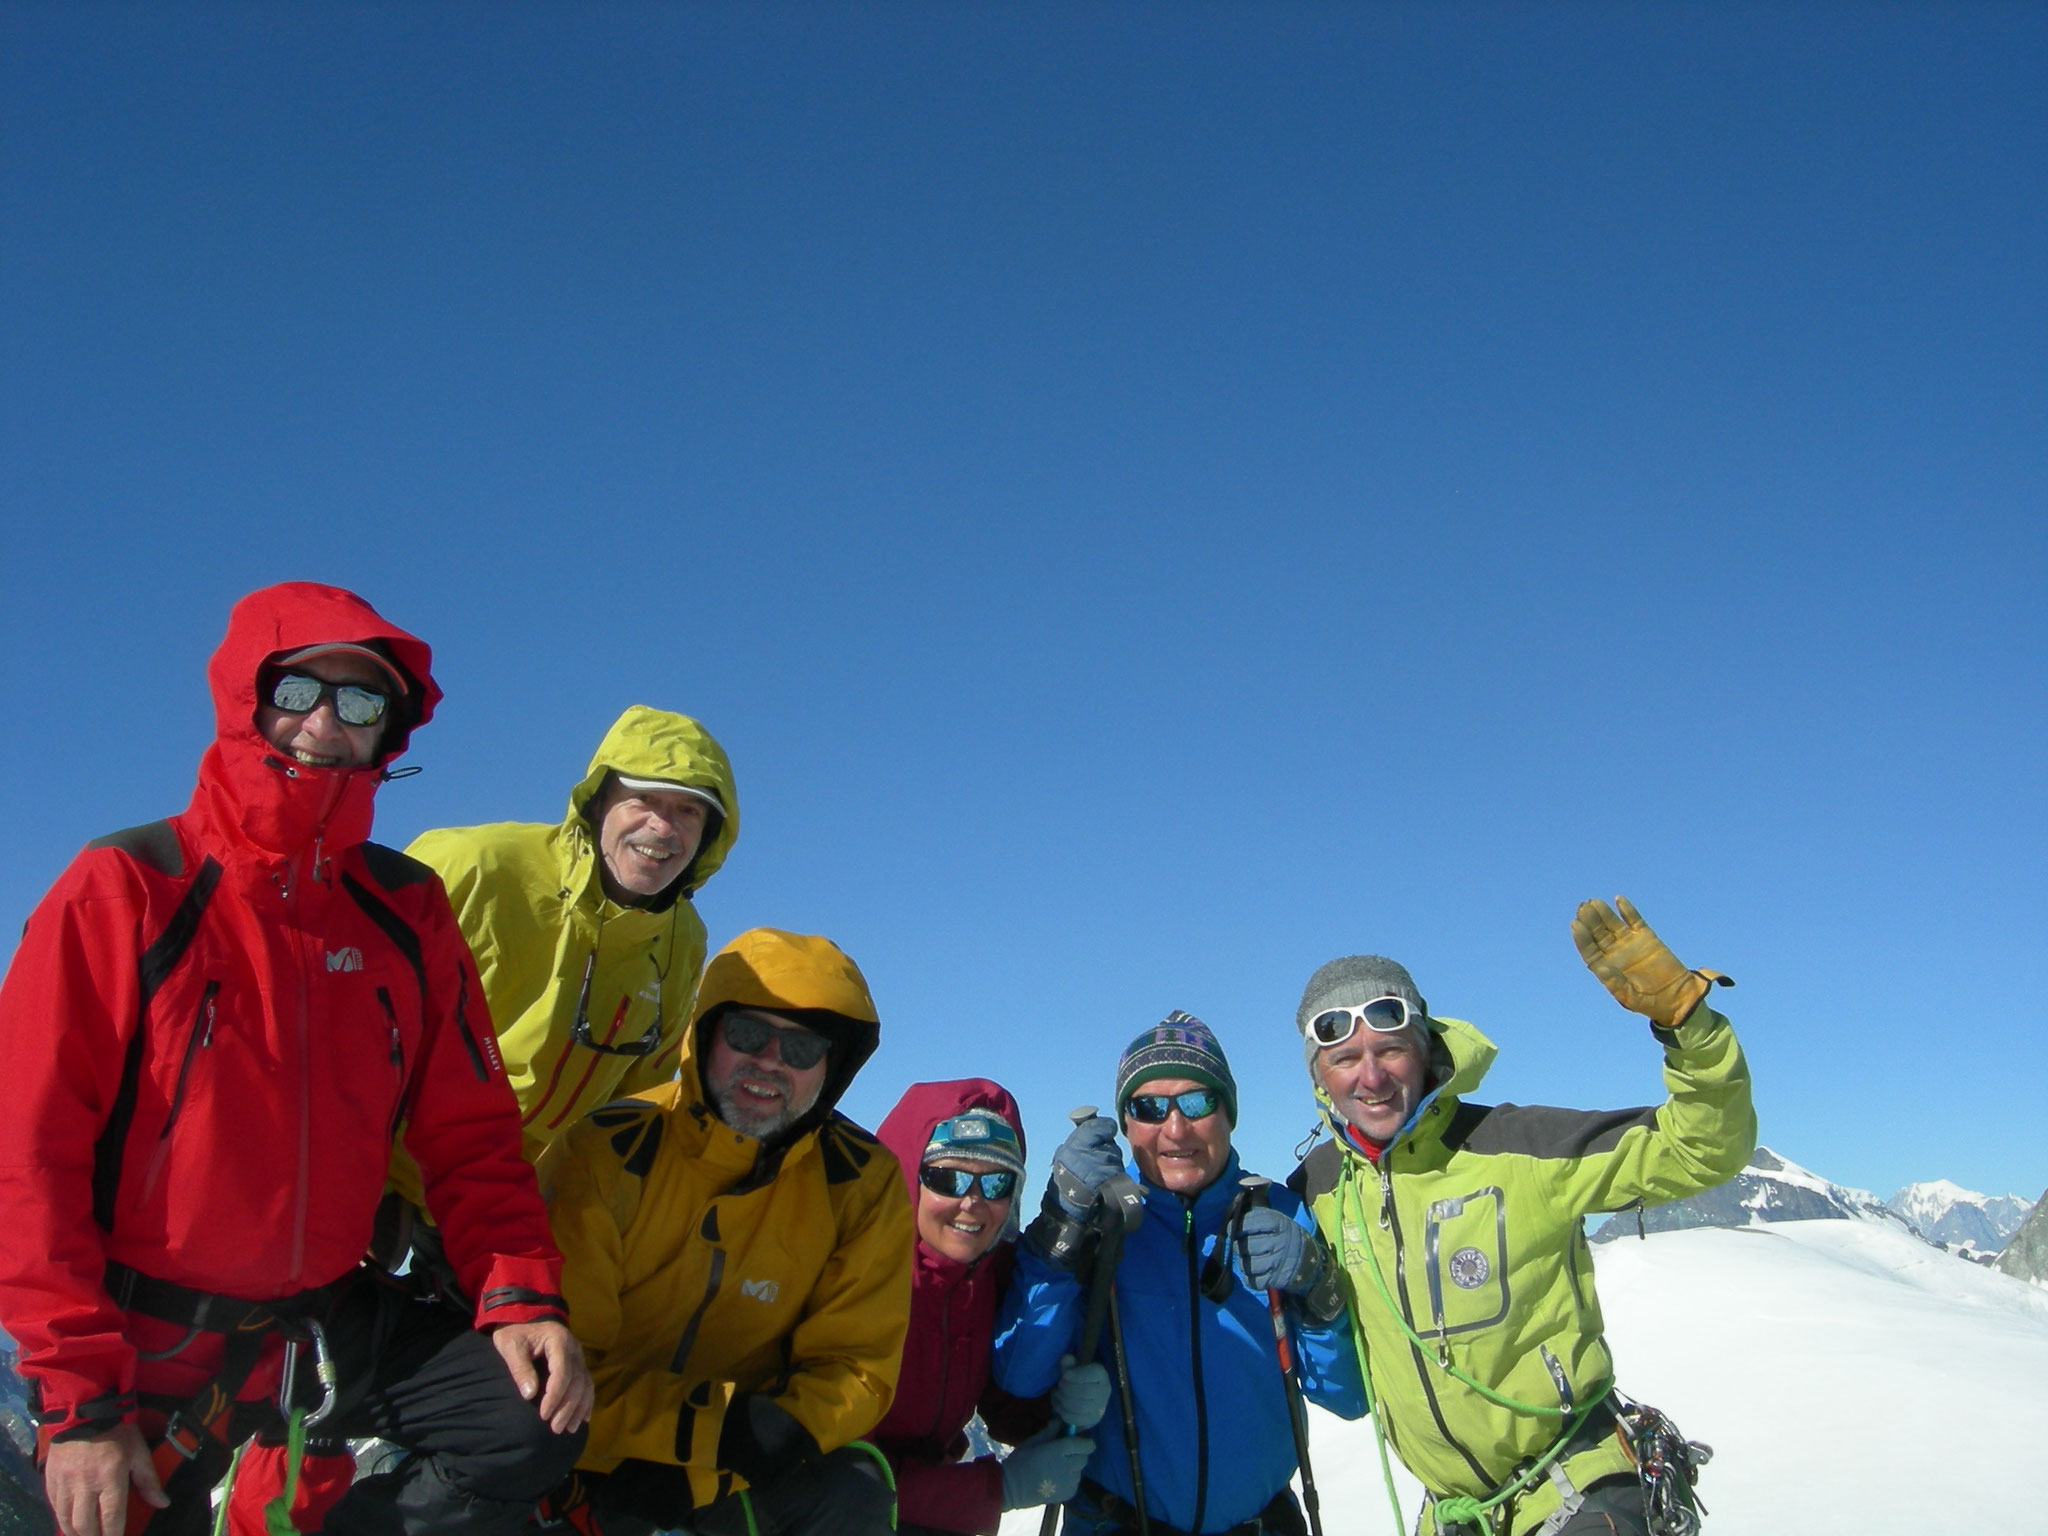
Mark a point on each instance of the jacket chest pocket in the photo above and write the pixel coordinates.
(182, 1059)
(1465, 1244)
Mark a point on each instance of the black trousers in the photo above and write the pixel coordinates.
(416, 1373)
(841, 1495)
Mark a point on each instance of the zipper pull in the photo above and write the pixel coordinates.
(206, 1035)
(1386, 1198)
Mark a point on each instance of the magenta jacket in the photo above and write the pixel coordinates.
(945, 1377)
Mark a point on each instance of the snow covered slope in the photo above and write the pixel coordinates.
(1961, 1218)
(1851, 1379)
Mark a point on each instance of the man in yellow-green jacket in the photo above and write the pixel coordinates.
(584, 931)
(736, 1259)
(1459, 1227)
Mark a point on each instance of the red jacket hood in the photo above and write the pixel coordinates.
(924, 1105)
(248, 793)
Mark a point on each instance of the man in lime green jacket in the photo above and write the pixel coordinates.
(1460, 1228)
(584, 932)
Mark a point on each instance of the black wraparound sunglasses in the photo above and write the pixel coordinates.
(1153, 1108)
(956, 1182)
(749, 1034)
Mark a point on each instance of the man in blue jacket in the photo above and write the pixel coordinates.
(1214, 1444)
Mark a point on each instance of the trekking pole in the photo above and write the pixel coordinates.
(1129, 1407)
(1254, 1188)
(1119, 1210)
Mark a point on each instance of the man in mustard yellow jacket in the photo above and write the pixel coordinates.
(584, 932)
(737, 1261)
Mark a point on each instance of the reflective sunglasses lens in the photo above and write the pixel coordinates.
(951, 1182)
(1332, 1027)
(1385, 1015)
(1148, 1108)
(1153, 1108)
(296, 694)
(998, 1186)
(358, 706)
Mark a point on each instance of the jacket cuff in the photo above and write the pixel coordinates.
(81, 1421)
(522, 1291)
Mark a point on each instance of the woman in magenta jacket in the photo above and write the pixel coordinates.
(961, 1146)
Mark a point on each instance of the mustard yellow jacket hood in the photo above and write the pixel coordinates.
(700, 1263)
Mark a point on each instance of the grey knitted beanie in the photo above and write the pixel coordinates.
(1351, 982)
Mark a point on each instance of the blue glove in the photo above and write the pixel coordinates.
(1273, 1252)
(1082, 1393)
(1086, 1160)
(1046, 1469)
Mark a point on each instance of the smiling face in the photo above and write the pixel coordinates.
(646, 837)
(1179, 1154)
(962, 1228)
(319, 738)
(761, 1095)
(1375, 1081)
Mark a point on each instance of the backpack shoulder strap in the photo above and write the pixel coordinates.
(155, 845)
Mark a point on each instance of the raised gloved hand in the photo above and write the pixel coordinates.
(1081, 1394)
(1637, 966)
(1273, 1252)
(1046, 1469)
(1086, 1160)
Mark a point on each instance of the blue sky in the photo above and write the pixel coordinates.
(1151, 497)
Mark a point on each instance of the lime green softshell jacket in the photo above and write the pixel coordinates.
(1472, 1222)
(530, 903)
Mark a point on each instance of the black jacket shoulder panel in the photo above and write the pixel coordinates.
(154, 843)
(1537, 1130)
(1318, 1172)
(394, 870)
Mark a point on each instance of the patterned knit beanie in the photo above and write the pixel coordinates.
(1180, 1045)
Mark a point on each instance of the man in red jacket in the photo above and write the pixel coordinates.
(215, 1025)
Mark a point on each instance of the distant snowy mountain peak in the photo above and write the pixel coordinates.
(1770, 1189)
(1961, 1218)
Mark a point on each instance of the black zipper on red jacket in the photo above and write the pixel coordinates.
(397, 1060)
(200, 1039)
(1201, 1394)
(1436, 1411)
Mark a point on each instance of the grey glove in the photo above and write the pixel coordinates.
(1046, 1469)
(1274, 1252)
(1086, 1160)
(1082, 1393)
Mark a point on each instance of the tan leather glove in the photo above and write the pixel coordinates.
(1637, 966)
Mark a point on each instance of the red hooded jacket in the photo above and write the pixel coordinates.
(945, 1376)
(225, 1121)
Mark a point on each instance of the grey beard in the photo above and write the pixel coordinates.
(750, 1123)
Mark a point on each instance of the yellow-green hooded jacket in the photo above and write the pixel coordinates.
(530, 903)
(699, 1262)
(1467, 1233)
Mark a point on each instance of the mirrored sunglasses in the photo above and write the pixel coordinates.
(1153, 1108)
(956, 1182)
(1383, 1016)
(749, 1034)
(297, 694)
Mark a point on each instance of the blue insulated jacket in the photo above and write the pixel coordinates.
(1212, 1413)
